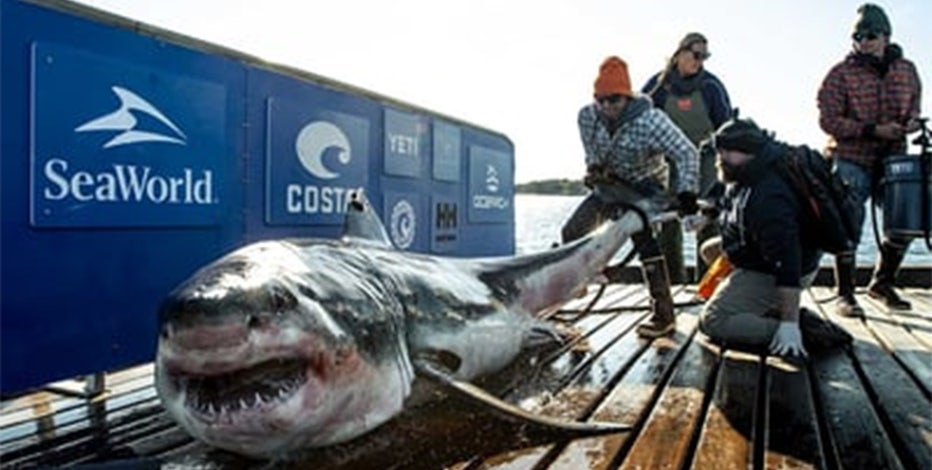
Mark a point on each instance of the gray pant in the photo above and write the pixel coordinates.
(736, 314)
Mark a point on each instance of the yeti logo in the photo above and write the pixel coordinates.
(123, 120)
(317, 139)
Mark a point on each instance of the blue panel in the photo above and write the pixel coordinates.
(406, 143)
(491, 189)
(83, 275)
(447, 152)
(119, 143)
(316, 157)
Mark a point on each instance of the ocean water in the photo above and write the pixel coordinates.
(538, 219)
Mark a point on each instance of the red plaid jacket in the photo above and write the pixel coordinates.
(854, 95)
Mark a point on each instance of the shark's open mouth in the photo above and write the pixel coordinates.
(259, 386)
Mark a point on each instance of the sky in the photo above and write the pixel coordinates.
(525, 68)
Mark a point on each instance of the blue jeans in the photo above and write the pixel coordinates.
(864, 185)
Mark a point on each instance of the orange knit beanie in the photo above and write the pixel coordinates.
(613, 78)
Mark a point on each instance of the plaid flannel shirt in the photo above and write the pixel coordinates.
(635, 151)
(853, 95)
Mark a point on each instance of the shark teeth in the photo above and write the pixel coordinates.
(260, 386)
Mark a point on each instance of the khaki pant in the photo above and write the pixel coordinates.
(736, 314)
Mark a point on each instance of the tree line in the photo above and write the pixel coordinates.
(561, 186)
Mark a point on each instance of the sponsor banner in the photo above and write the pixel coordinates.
(444, 225)
(406, 143)
(316, 158)
(121, 144)
(402, 215)
(491, 191)
(447, 139)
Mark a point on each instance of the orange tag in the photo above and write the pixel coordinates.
(720, 269)
(685, 104)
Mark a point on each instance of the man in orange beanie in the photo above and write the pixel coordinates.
(625, 139)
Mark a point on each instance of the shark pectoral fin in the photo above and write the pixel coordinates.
(534, 423)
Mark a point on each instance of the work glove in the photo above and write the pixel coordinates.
(596, 174)
(687, 204)
(787, 341)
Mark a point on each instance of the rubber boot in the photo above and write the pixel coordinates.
(670, 238)
(846, 305)
(663, 320)
(881, 286)
(819, 334)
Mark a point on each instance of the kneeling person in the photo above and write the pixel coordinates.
(764, 236)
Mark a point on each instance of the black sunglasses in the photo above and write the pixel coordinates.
(700, 55)
(858, 37)
(610, 99)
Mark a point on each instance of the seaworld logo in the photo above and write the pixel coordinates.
(123, 120)
(127, 183)
(122, 182)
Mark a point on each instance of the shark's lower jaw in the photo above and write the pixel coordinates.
(257, 389)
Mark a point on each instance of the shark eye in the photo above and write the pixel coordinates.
(282, 300)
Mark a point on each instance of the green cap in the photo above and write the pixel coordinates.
(690, 39)
(872, 19)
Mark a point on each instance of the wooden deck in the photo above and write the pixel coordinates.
(691, 405)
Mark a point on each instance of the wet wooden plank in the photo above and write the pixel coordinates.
(664, 442)
(95, 438)
(581, 394)
(904, 411)
(630, 401)
(728, 433)
(80, 421)
(905, 347)
(44, 404)
(856, 436)
(791, 435)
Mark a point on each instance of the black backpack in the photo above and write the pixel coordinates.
(827, 199)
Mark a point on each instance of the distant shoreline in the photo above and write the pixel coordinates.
(561, 187)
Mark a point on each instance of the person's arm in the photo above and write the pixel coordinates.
(587, 121)
(915, 108)
(718, 101)
(778, 232)
(833, 104)
(788, 339)
(651, 89)
(668, 139)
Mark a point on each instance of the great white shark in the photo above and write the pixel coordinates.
(293, 344)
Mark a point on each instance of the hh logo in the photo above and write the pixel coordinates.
(124, 120)
(317, 140)
(445, 215)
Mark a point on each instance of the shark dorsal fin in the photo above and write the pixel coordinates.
(362, 223)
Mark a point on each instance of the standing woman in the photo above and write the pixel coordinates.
(697, 102)
(626, 139)
(868, 102)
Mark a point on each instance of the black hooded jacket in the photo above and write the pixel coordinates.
(763, 222)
